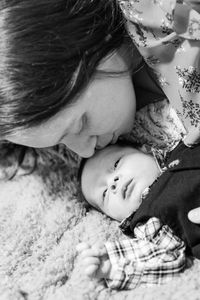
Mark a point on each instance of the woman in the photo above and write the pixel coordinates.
(67, 68)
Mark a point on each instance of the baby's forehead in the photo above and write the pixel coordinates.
(104, 158)
(104, 155)
(109, 151)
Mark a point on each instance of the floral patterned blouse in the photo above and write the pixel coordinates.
(167, 34)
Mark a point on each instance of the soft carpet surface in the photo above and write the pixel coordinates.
(41, 221)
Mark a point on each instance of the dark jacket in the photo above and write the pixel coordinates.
(173, 195)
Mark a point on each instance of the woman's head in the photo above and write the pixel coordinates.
(50, 50)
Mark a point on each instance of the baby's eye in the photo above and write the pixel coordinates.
(116, 163)
(104, 193)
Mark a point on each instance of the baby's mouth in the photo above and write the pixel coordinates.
(127, 189)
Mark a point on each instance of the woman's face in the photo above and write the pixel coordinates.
(103, 112)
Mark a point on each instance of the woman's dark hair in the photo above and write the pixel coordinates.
(49, 50)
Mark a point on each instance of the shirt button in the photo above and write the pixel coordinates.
(174, 163)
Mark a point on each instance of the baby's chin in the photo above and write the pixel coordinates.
(129, 212)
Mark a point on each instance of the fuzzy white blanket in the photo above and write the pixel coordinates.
(41, 222)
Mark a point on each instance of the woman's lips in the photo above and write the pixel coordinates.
(101, 144)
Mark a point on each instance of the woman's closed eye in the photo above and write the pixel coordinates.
(76, 129)
(82, 124)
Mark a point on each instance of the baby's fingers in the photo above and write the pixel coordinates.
(81, 247)
(90, 261)
(90, 265)
(89, 252)
(100, 249)
(91, 270)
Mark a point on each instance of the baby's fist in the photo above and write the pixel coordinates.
(94, 260)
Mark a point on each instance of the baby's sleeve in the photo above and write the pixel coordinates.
(154, 256)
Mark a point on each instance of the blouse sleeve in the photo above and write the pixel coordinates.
(167, 34)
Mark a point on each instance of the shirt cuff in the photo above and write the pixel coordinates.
(123, 274)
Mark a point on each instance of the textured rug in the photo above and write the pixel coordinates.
(41, 221)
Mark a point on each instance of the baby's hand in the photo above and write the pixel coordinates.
(94, 260)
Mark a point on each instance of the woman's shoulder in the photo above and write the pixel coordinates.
(167, 34)
(158, 126)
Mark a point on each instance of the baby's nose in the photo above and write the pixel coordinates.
(114, 184)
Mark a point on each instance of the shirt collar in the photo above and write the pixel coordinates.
(160, 157)
(124, 226)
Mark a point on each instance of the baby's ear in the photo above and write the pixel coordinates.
(87, 206)
(145, 149)
(80, 170)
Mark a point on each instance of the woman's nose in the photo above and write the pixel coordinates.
(82, 145)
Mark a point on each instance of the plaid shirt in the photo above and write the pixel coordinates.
(154, 256)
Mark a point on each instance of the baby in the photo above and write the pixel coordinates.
(114, 179)
(117, 181)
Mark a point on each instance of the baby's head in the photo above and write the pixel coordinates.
(114, 179)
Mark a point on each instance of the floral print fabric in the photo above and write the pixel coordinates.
(167, 34)
(158, 127)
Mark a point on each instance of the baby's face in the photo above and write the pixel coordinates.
(114, 179)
